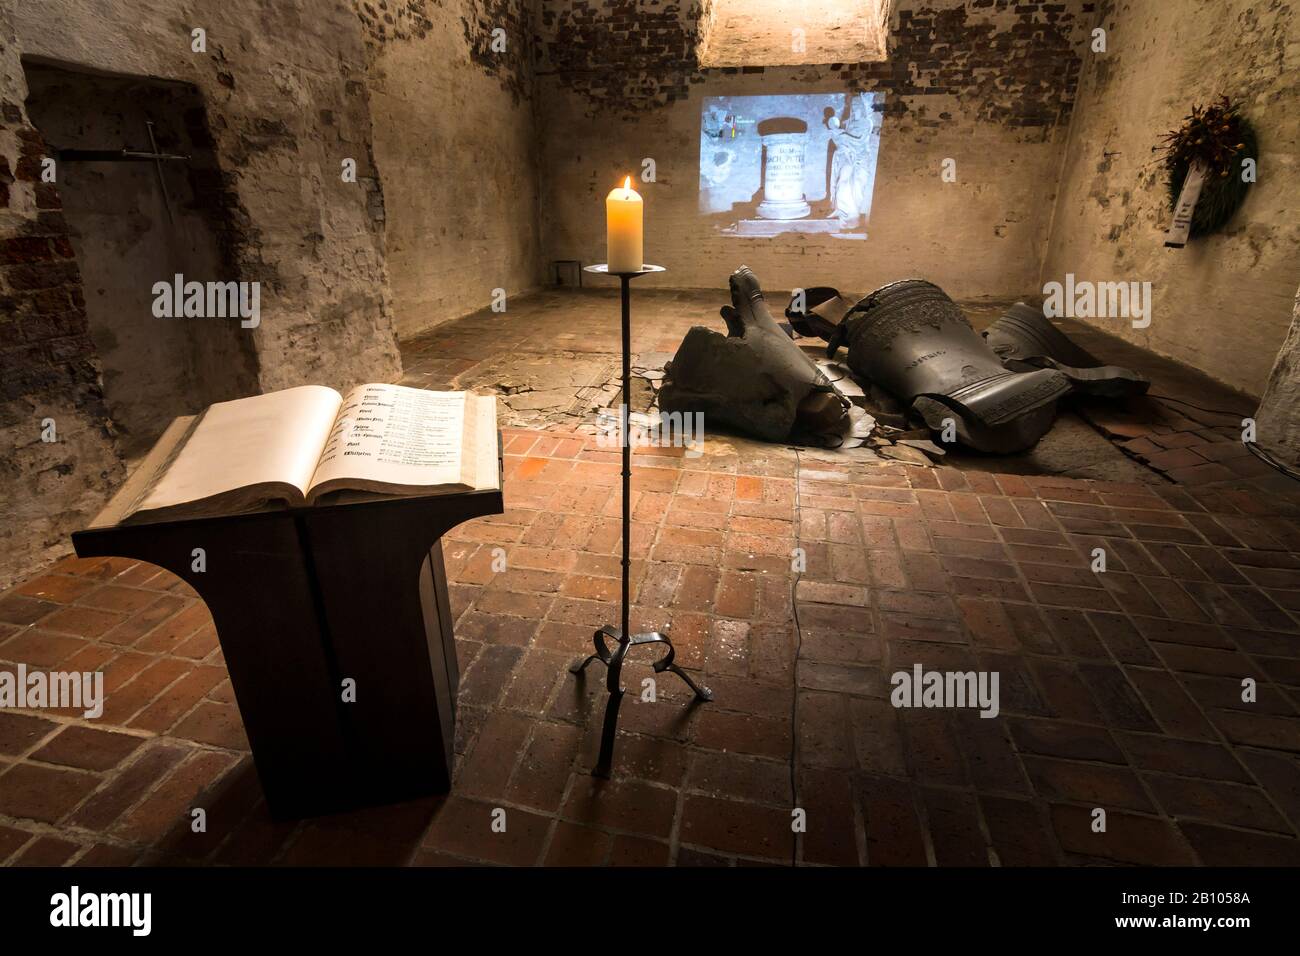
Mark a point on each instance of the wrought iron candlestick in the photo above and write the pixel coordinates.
(613, 657)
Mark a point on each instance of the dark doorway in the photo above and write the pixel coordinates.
(137, 220)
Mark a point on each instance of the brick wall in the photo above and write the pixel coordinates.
(1015, 64)
(285, 83)
(396, 21)
(987, 83)
(43, 334)
(623, 57)
(127, 233)
(287, 79)
(1005, 61)
(479, 23)
(456, 144)
(48, 372)
(46, 341)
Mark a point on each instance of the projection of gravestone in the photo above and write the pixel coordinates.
(791, 163)
(783, 172)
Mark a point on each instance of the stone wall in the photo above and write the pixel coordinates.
(456, 144)
(49, 377)
(127, 233)
(987, 83)
(1222, 304)
(284, 82)
(1278, 418)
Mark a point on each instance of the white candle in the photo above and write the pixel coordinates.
(623, 221)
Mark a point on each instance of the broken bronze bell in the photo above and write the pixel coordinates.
(1024, 340)
(912, 340)
(754, 378)
(823, 308)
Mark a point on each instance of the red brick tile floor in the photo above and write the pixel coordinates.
(1189, 428)
(1120, 690)
(559, 339)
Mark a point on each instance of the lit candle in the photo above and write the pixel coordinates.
(623, 220)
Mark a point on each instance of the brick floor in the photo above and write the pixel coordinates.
(1119, 690)
(1189, 428)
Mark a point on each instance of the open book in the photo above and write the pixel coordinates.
(301, 443)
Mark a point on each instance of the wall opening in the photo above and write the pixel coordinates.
(135, 221)
(782, 33)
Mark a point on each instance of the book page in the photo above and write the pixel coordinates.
(394, 435)
(271, 440)
(485, 444)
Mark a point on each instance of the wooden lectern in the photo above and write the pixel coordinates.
(305, 599)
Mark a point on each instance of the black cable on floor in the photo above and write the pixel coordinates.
(1272, 462)
(798, 648)
(1260, 453)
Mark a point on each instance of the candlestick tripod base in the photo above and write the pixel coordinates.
(612, 656)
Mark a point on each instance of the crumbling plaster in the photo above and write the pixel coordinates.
(986, 83)
(1222, 304)
(456, 145)
(49, 377)
(284, 83)
(285, 86)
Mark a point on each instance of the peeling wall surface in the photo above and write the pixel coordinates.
(986, 83)
(284, 84)
(284, 81)
(1222, 304)
(456, 147)
(126, 236)
(49, 377)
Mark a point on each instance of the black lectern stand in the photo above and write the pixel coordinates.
(306, 600)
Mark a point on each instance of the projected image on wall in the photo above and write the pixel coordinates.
(803, 163)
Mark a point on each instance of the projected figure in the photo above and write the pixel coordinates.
(789, 163)
(853, 167)
(718, 170)
(717, 132)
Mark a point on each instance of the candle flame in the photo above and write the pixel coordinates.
(627, 183)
